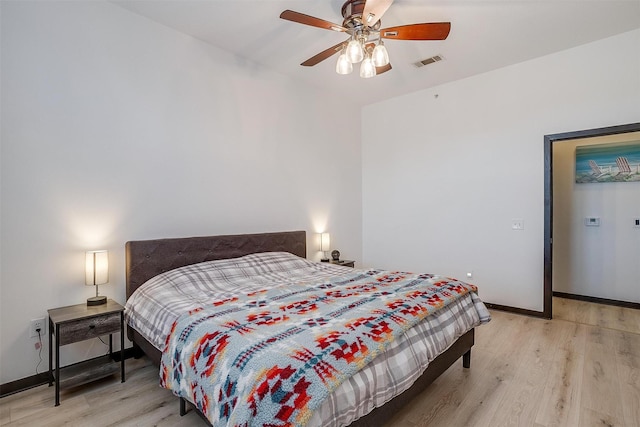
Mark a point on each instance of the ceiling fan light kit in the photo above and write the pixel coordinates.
(344, 66)
(365, 43)
(355, 51)
(380, 55)
(367, 69)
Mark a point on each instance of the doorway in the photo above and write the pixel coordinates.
(549, 140)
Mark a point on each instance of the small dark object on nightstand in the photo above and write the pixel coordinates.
(97, 300)
(335, 255)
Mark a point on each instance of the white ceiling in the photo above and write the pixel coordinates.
(485, 35)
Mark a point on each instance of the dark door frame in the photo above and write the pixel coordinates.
(549, 140)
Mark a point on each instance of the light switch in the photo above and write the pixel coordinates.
(517, 224)
(636, 222)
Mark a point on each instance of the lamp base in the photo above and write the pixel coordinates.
(97, 300)
(324, 260)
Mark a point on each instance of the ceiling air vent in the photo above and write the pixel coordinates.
(428, 61)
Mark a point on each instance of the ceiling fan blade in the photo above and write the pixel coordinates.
(427, 31)
(301, 18)
(324, 55)
(383, 69)
(373, 11)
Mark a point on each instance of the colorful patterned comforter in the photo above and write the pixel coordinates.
(271, 356)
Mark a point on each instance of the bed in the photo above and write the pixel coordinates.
(154, 259)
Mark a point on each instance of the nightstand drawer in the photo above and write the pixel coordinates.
(89, 328)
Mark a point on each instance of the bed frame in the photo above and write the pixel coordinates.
(148, 258)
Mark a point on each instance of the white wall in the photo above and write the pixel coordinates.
(445, 170)
(594, 261)
(116, 128)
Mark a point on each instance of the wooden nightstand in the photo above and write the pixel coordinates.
(345, 262)
(78, 323)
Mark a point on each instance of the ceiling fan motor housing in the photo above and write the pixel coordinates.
(352, 14)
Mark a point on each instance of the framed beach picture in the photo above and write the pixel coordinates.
(613, 162)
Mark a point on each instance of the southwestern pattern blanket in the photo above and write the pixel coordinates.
(270, 357)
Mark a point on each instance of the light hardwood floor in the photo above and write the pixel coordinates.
(580, 369)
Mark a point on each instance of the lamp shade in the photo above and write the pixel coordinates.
(344, 66)
(354, 51)
(325, 242)
(97, 268)
(380, 55)
(367, 69)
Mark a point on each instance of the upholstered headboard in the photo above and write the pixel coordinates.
(148, 258)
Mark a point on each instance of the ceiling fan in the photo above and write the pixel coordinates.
(362, 24)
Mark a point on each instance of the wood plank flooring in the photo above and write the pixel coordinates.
(580, 369)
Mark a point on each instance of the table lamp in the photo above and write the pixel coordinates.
(97, 273)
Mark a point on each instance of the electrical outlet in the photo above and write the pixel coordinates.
(37, 324)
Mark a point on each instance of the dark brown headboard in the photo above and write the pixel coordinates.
(148, 258)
